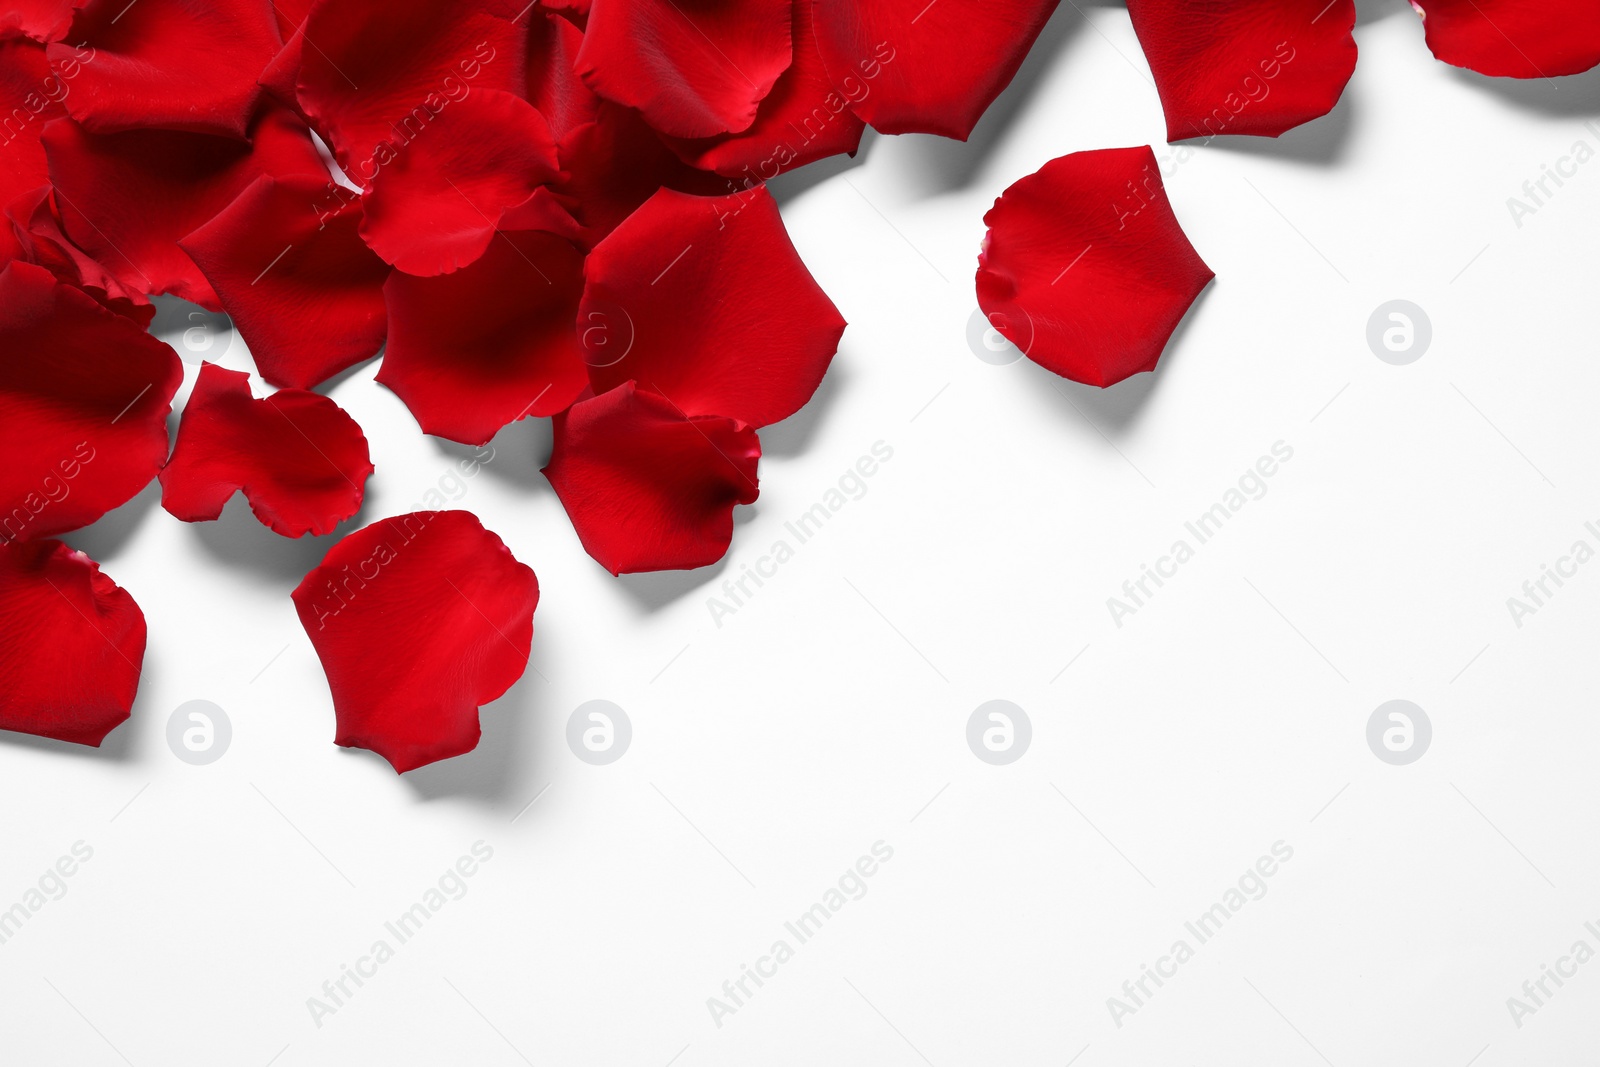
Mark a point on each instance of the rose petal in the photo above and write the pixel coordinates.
(693, 70)
(472, 351)
(299, 458)
(418, 620)
(43, 20)
(175, 64)
(553, 86)
(288, 265)
(434, 207)
(804, 119)
(926, 67)
(1513, 38)
(379, 73)
(71, 644)
(39, 234)
(29, 97)
(1085, 268)
(646, 488)
(723, 317)
(84, 398)
(128, 198)
(1256, 67)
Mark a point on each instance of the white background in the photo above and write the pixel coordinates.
(830, 711)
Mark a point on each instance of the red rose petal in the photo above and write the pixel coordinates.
(128, 198)
(43, 20)
(175, 64)
(724, 318)
(380, 73)
(472, 351)
(39, 234)
(30, 96)
(616, 163)
(303, 289)
(1513, 38)
(1256, 67)
(434, 207)
(71, 644)
(84, 398)
(1085, 268)
(299, 458)
(694, 70)
(804, 119)
(553, 86)
(646, 488)
(418, 620)
(911, 66)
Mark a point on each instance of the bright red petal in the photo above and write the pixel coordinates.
(553, 86)
(691, 69)
(804, 119)
(910, 66)
(418, 620)
(1085, 268)
(128, 198)
(382, 73)
(39, 234)
(30, 96)
(1514, 38)
(434, 207)
(174, 64)
(300, 460)
(723, 317)
(71, 644)
(303, 290)
(472, 351)
(43, 20)
(1256, 67)
(646, 488)
(84, 398)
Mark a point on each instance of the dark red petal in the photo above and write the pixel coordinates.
(692, 70)
(1085, 268)
(30, 96)
(43, 20)
(128, 198)
(1513, 38)
(39, 234)
(472, 351)
(804, 119)
(553, 86)
(303, 289)
(646, 488)
(418, 620)
(84, 398)
(910, 66)
(379, 73)
(175, 64)
(723, 317)
(1256, 67)
(299, 458)
(71, 644)
(434, 207)
(616, 163)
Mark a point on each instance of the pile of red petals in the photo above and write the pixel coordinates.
(549, 209)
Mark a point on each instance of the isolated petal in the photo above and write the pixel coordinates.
(84, 399)
(290, 268)
(174, 64)
(472, 351)
(128, 198)
(435, 206)
(910, 66)
(1255, 67)
(1513, 38)
(418, 620)
(691, 69)
(299, 459)
(646, 488)
(1085, 268)
(723, 317)
(71, 644)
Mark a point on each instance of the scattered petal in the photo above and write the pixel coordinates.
(30, 96)
(1513, 38)
(42, 241)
